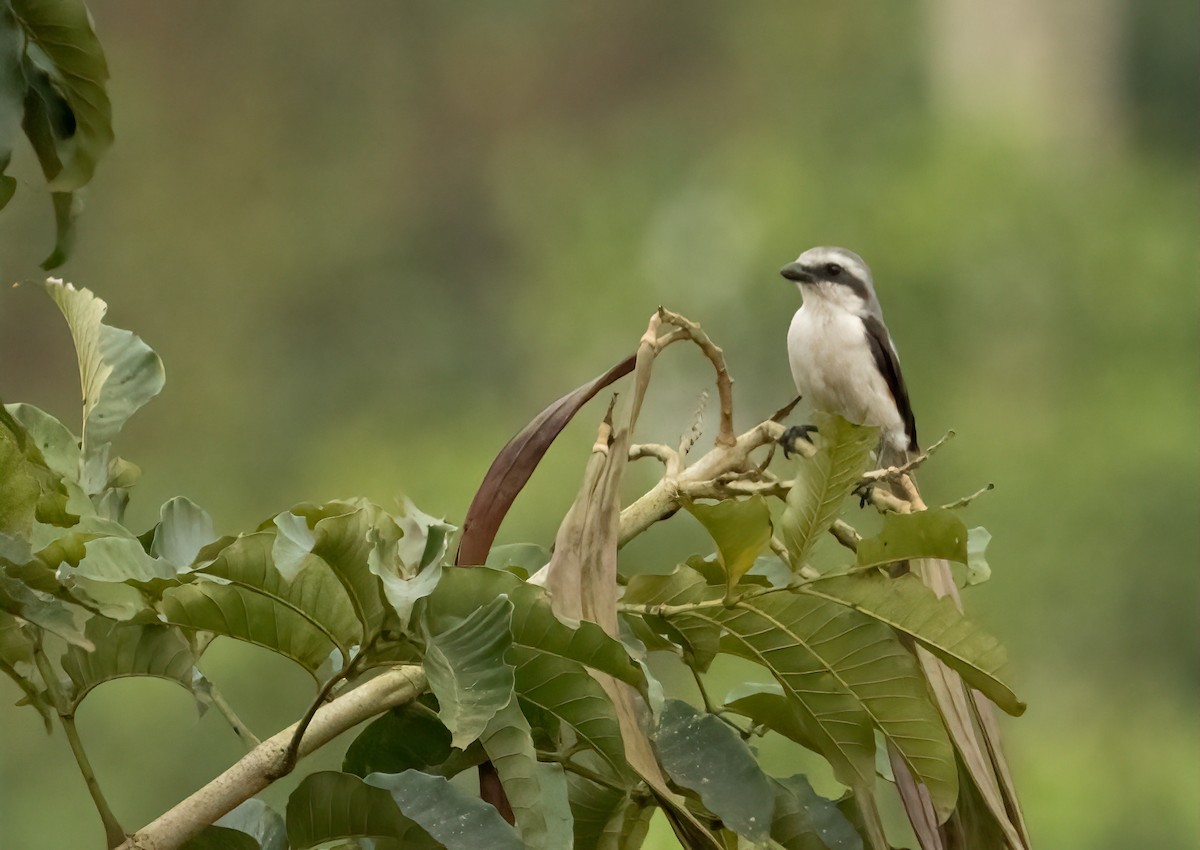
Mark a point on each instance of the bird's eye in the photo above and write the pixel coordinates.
(833, 269)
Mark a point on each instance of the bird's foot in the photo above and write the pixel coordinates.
(796, 432)
(863, 491)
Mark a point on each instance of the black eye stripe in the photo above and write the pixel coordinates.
(833, 269)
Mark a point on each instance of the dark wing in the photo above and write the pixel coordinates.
(889, 366)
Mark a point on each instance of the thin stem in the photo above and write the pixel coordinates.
(249, 739)
(708, 703)
(580, 770)
(113, 833)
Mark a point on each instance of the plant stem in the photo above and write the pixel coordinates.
(113, 833)
(580, 770)
(248, 738)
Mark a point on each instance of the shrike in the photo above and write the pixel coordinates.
(842, 357)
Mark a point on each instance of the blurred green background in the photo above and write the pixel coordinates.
(372, 240)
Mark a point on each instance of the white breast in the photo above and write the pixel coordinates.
(835, 371)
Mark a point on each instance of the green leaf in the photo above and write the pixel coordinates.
(20, 492)
(468, 672)
(43, 610)
(563, 689)
(70, 56)
(935, 533)
(120, 559)
(823, 482)
(909, 607)
(407, 737)
(535, 627)
(328, 805)
(528, 556)
(536, 792)
(259, 821)
(293, 543)
(457, 820)
(804, 820)
(404, 582)
(341, 540)
(740, 528)
(978, 570)
(766, 705)
(12, 95)
(699, 638)
(314, 593)
(184, 528)
(700, 752)
(842, 669)
(222, 838)
(125, 649)
(16, 662)
(118, 372)
(58, 447)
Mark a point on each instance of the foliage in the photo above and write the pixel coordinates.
(348, 586)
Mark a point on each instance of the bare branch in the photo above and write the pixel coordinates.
(966, 500)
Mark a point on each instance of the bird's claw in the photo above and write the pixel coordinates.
(788, 440)
(863, 491)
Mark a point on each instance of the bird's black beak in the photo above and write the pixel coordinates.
(796, 272)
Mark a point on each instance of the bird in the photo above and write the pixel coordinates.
(842, 357)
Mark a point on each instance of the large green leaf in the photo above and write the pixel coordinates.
(534, 624)
(468, 672)
(823, 482)
(19, 493)
(341, 532)
(222, 838)
(244, 614)
(804, 820)
(43, 610)
(259, 821)
(127, 649)
(842, 669)
(700, 752)
(328, 805)
(457, 820)
(118, 373)
(314, 592)
(767, 706)
(408, 737)
(537, 792)
(606, 818)
(57, 447)
(65, 49)
(935, 533)
(740, 528)
(563, 689)
(699, 638)
(908, 606)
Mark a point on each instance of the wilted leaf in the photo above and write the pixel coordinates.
(804, 820)
(935, 533)
(823, 482)
(468, 672)
(118, 372)
(184, 528)
(703, 754)
(328, 805)
(126, 649)
(936, 623)
(740, 528)
(516, 462)
(458, 821)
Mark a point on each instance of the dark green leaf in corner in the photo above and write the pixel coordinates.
(468, 671)
(823, 482)
(328, 805)
(403, 738)
(457, 820)
(222, 838)
(700, 752)
(935, 533)
(259, 821)
(12, 95)
(804, 820)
